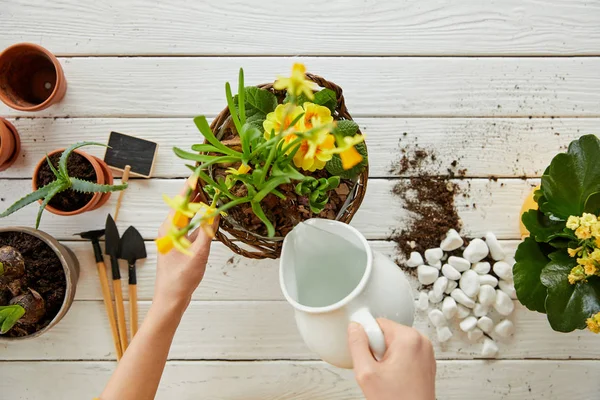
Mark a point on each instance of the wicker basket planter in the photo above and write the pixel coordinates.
(252, 245)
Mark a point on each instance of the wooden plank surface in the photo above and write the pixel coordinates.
(347, 27)
(483, 205)
(373, 86)
(310, 380)
(501, 147)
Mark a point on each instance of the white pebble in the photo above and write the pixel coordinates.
(488, 279)
(469, 283)
(490, 349)
(482, 267)
(437, 265)
(508, 287)
(444, 334)
(427, 275)
(487, 295)
(462, 298)
(476, 251)
(434, 297)
(451, 286)
(433, 255)
(450, 272)
(449, 308)
(475, 334)
(468, 324)
(503, 304)
(459, 263)
(462, 312)
(452, 241)
(414, 260)
(503, 270)
(440, 285)
(437, 318)
(504, 328)
(480, 310)
(496, 250)
(485, 324)
(423, 301)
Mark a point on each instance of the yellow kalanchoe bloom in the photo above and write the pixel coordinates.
(297, 83)
(583, 233)
(577, 274)
(593, 323)
(281, 120)
(588, 220)
(573, 222)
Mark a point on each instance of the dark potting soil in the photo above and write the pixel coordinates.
(77, 167)
(43, 273)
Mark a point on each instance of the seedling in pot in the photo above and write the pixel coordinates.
(63, 182)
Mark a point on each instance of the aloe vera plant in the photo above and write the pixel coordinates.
(63, 182)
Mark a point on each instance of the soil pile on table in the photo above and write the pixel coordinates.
(429, 200)
(44, 273)
(77, 167)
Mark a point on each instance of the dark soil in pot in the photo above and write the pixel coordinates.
(78, 167)
(44, 273)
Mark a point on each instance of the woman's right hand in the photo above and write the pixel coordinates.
(407, 370)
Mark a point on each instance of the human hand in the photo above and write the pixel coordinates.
(407, 370)
(178, 274)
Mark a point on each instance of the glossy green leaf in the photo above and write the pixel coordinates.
(541, 227)
(592, 204)
(530, 261)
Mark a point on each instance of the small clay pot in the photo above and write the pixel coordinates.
(71, 268)
(103, 177)
(10, 144)
(31, 78)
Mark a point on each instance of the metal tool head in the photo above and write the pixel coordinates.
(91, 235)
(112, 237)
(132, 246)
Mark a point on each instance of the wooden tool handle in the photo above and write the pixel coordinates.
(120, 313)
(124, 179)
(133, 309)
(110, 311)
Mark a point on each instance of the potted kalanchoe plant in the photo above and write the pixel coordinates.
(68, 182)
(557, 270)
(279, 154)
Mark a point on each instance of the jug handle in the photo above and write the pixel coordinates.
(373, 330)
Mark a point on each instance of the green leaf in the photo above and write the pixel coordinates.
(204, 128)
(530, 260)
(79, 185)
(57, 189)
(269, 185)
(571, 178)
(346, 127)
(54, 171)
(261, 99)
(62, 162)
(568, 306)
(327, 98)
(1, 269)
(258, 211)
(33, 197)
(242, 98)
(232, 108)
(334, 166)
(9, 315)
(541, 227)
(592, 204)
(204, 148)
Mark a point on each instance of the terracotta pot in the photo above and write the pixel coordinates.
(71, 268)
(31, 78)
(103, 175)
(10, 144)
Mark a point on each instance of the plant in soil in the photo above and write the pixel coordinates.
(275, 151)
(77, 191)
(557, 270)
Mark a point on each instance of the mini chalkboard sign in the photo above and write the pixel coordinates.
(130, 154)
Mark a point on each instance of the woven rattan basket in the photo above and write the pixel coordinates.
(251, 245)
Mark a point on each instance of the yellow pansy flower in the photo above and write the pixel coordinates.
(315, 115)
(573, 222)
(281, 119)
(588, 220)
(348, 153)
(297, 83)
(593, 323)
(583, 232)
(313, 154)
(577, 274)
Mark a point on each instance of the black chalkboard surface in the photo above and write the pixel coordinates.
(125, 150)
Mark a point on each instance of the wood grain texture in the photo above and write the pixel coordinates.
(343, 27)
(483, 205)
(383, 87)
(501, 147)
(308, 380)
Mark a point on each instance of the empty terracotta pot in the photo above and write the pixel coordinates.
(10, 144)
(31, 78)
(103, 176)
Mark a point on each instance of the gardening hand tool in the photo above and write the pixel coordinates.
(112, 250)
(93, 236)
(132, 248)
(130, 155)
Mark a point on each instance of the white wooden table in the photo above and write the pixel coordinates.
(500, 86)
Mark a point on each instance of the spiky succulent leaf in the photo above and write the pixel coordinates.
(47, 199)
(80, 185)
(62, 162)
(54, 171)
(35, 196)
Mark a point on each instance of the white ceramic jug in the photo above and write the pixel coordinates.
(330, 275)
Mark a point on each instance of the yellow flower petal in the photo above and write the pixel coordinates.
(164, 244)
(350, 158)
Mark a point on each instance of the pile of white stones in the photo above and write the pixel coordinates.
(464, 289)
